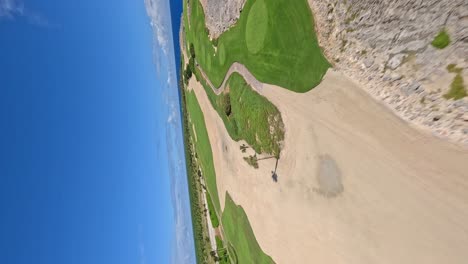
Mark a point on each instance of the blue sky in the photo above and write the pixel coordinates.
(92, 167)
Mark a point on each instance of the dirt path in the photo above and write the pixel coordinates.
(356, 184)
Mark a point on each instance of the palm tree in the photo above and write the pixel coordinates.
(243, 148)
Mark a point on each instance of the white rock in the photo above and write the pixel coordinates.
(396, 61)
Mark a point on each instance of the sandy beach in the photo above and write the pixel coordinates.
(355, 183)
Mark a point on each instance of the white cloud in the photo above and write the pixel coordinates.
(183, 249)
(12, 9)
(183, 245)
(38, 20)
(159, 13)
(172, 118)
(141, 245)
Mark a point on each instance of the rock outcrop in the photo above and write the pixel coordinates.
(386, 46)
(220, 15)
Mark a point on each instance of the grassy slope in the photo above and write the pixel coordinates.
(212, 211)
(253, 115)
(239, 233)
(290, 57)
(250, 115)
(203, 147)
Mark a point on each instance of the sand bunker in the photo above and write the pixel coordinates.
(355, 183)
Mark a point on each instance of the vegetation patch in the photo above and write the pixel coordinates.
(203, 147)
(212, 211)
(223, 253)
(190, 68)
(257, 26)
(287, 55)
(199, 223)
(442, 40)
(240, 234)
(453, 68)
(241, 245)
(248, 115)
(457, 87)
(252, 161)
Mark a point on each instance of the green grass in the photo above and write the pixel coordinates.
(251, 116)
(219, 242)
(212, 212)
(240, 234)
(203, 147)
(223, 255)
(221, 54)
(290, 56)
(442, 40)
(257, 27)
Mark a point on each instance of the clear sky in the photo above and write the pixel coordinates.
(85, 115)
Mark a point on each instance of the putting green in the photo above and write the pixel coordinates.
(257, 26)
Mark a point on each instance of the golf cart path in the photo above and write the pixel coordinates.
(235, 67)
(356, 184)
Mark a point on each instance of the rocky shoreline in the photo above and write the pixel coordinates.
(220, 15)
(386, 47)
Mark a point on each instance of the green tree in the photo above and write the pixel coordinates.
(192, 50)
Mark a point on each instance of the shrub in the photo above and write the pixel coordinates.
(187, 74)
(453, 68)
(442, 40)
(252, 161)
(227, 105)
(192, 51)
